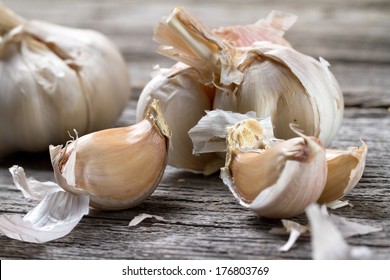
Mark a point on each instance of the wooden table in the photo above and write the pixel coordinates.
(203, 220)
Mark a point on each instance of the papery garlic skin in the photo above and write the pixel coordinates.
(279, 181)
(119, 167)
(345, 169)
(55, 79)
(183, 102)
(270, 29)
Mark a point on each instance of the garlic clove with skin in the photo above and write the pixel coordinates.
(279, 181)
(345, 168)
(119, 167)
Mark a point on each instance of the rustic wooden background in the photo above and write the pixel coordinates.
(203, 220)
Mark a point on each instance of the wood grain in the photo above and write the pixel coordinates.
(203, 220)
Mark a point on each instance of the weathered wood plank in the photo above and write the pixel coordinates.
(203, 220)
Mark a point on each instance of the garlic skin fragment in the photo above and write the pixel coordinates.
(327, 240)
(278, 181)
(345, 169)
(55, 79)
(183, 101)
(119, 167)
(53, 218)
(270, 29)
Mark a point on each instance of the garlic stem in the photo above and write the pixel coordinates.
(205, 50)
(185, 39)
(8, 20)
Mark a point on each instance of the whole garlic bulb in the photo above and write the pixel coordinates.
(267, 78)
(55, 79)
(117, 168)
(185, 92)
(270, 79)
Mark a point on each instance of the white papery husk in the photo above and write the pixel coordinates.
(344, 226)
(56, 215)
(183, 101)
(271, 29)
(55, 79)
(209, 134)
(327, 240)
(185, 92)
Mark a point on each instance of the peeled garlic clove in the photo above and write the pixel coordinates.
(183, 102)
(119, 167)
(271, 29)
(56, 79)
(275, 182)
(345, 168)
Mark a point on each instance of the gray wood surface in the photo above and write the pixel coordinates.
(203, 220)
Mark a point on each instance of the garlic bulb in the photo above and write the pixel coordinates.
(275, 181)
(267, 78)
(185, 93)
(118, 167)
(54, 79)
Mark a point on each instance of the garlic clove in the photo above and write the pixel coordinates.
(345, 168)
(271, 29)
(119, 167)
(279, 181)
(183, 101)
